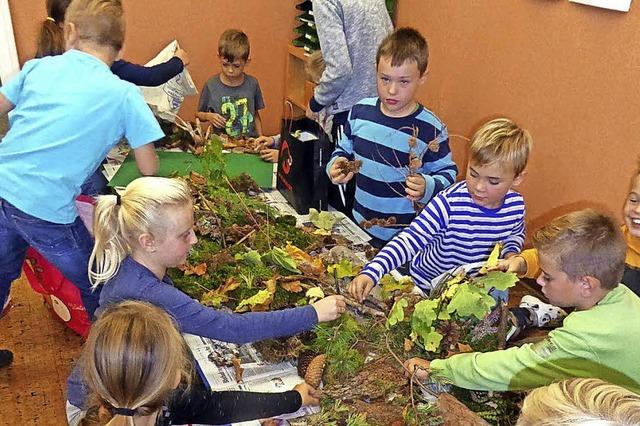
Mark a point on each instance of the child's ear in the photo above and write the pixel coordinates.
(589, 286)
(70, 35)
(423, 77)
(518, 179)
(147, 242)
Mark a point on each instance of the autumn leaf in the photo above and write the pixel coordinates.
(408, 345)
(297, 254)
(260, 298)
(492, 262)
(292, 286)
(198, 270)
(464, 348)
(197, 178)
(315, 268)
(218, 296)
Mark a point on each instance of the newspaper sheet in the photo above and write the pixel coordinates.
(214, 359)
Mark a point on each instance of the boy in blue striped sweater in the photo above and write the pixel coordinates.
(461, 224)
(397, 171)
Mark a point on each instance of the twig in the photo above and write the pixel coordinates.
(365, 309)
(417, 382)
(244, 238)
(502, 327)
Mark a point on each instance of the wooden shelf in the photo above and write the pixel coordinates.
(298, 90)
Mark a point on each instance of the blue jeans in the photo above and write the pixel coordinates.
(95, 184)
(66, 246)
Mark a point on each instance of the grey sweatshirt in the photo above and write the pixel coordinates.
(350, 32)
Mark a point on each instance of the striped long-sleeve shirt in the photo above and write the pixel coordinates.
(382, 144)
(452, 231)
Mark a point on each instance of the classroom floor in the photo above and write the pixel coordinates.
(32, 388)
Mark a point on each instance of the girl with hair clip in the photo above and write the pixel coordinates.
(51, 42)
(137, 369)
(149, 228)
(583, 402)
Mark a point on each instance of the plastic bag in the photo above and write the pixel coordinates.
(165, 100)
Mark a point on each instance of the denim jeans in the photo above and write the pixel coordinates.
(95, 184)
(66, 246)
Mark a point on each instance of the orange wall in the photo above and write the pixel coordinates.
(567, 72)
(197, 26)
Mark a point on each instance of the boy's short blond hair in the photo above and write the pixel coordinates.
(501, 141)
(232, 45)
(580, 402)
(98, 21)
(405, 44)
(584, 243)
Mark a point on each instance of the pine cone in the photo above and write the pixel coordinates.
(313, 376)
(304, 359)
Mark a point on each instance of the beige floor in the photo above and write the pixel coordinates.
(32, 388)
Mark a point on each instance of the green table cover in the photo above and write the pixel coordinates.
(183, 163)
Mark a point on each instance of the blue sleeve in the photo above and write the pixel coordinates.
(195, 318)
(77, 390)
(13, 88)
(408, 243)
(148, 76)
(344, 147)
(515, 241)
(140, 125)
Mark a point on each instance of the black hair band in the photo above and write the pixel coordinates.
(118, 199)
(123, 411)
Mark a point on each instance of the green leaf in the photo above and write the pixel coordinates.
(261, 297)
(396, 314)
(323, 220)
(343, 269)
(424, 313)
(279, 257)
(498, 280)
(251, 258)
(470, 300)
(432, 341)
(388, 285)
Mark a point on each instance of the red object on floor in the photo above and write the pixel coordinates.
(62, 296)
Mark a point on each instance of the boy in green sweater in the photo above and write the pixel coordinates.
(581, 259)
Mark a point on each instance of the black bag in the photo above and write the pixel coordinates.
(302, 179)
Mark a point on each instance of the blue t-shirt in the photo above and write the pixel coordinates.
(69, 111)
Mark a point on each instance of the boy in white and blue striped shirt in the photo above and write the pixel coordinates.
(463, 223)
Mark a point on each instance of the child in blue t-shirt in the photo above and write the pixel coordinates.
(67, 112)
(231, 100)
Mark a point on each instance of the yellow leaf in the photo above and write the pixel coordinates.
(314, 293)
(492, 262)
(322, 232)
(297, 254)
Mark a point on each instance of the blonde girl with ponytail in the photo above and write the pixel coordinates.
(138, 373)
(147, 229)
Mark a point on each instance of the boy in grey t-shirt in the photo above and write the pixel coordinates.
(232, 99)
